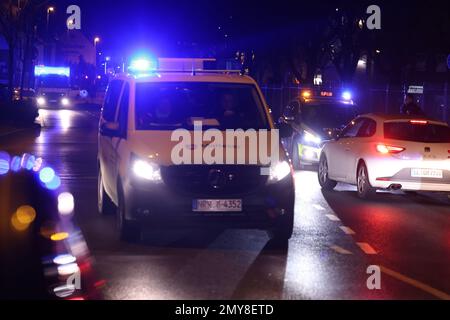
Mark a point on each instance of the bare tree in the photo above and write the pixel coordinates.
(9, 13)
(18, 26)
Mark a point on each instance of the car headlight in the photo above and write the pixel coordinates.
(65, 101)
(309, 137)
(40, 101)
(279, 171)
(146, 170)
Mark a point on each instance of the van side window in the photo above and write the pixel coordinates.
(123, 109)
(111, 100)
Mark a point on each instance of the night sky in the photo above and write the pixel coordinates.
(161, 26)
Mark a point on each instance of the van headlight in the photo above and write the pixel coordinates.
(65, 101)
(146, 170)
(311, 138)
(40, 101)
(279, 171)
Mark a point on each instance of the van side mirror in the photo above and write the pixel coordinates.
(110, 129)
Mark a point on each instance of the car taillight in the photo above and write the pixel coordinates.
(385, 149)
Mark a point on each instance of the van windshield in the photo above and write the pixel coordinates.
(328, 115)
(168, 106)
(53, 81)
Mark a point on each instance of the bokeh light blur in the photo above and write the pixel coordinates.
(54, 184)
(15, 163)
(37, 164)
(68, 269)
(46, 174)
(27, 161)
(23, 217)
(64, 259)
(4, 162)
(26, 214)
(66, 203)
(59, 236)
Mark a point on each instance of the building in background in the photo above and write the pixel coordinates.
(3, 61)
(71, 49)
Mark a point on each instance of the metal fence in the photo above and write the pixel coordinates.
(385, 98)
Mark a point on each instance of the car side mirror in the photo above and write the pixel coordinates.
(288, 119)
(286, 130)
(336, 135)
(110, 129)
(290, 112)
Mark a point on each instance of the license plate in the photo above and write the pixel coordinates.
(217, 205)
(426, 173)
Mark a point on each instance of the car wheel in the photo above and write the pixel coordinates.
(325, 182)
(129, 231)
(282, 232)
(295, 156)
(105, 204)
(364, 189)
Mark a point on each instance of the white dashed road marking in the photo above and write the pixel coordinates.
(347, 230)
(367, 248)
(318, 207)
(340, 250)
(332, 217)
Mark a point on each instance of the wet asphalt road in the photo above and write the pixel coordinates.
(337, 237)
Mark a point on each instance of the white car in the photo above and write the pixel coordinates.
(392, 152)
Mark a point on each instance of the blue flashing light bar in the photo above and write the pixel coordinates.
(142, 66)
(347, 95)
(44, 70)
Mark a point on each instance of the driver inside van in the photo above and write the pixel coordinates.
(162, 114)
(229, 117)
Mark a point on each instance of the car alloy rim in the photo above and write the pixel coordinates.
(361, 179)
(323, 170)
(100, 190)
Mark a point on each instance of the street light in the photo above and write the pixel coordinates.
(96, 40)
(70, 23)
(49, 10)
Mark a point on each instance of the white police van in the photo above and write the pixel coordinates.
(139, 178)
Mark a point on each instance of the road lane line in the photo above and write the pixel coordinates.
(415, 283)
(332, 217)
(347, 230)
(318, 207)
(367, 248)
(340, 250)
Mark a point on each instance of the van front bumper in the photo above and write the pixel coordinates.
(157, 205)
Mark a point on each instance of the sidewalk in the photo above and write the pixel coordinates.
(7, 130)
